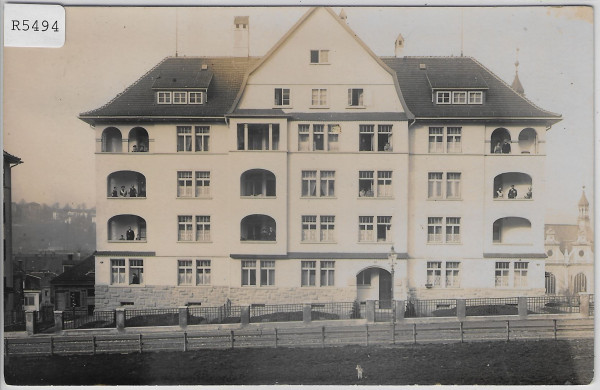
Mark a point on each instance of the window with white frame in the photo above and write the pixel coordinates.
(304, 137)
(453, 139)
(434, 273)
(282, 97)
(443, 97)
(179, 97)
(309, 228)
(314, 138)
(136, 271)
(185, 272)
(384, 138)
(384, 227)
(318, 137)
(434, 229)
(267, 273)
(117, 271)
(453, 185)
(184, 138)
(333, 135)
(459, 97)
(501, 273)
(203, 228)
(326, 183)
(198, 143)
(520, 274)
(366, 135)
(319, 56)
(435, 187)
(163, 97)
(185, 228)
(327, 233)
(202, 184)
(202, 272)
(364, 278)
(453, 229)
(384, 184)
(327, 273)
(196, 98)
(308, 273)
(436, 139)
(365, 229)
(452, 274)
(365, 184)
(184, 184)
(373, 138)
(475, 97)
(319, 97)
(453, 143)
(355, 97)
(202, 138)
(248, 272)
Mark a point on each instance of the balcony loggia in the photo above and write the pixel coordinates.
(517, 181)
(258, 227)
(258, 183)
(126, 227)
(512, 231)
(126, 184)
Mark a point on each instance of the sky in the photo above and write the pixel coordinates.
(109, 48)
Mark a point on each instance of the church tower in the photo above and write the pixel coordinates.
(516, 84)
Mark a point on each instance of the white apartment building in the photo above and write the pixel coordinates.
(318, 172)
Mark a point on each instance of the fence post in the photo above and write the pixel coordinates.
(120, 318)
(394, 332)
(51, 345)
(584, 305)
(367, 331)
(400, 305)
(245, 315)
(185, 341)
(555, 331)
(507, 331)
(93, 345)
(415, 333)
(232, 338)
(6, 351)
(370, 311)
(307, 313)
(275, 337)
(461, 309)
(183, 317)
(58, 321)
(323, 336)
(462, 333)
(141, 343)
(30, 322)
(522, 307)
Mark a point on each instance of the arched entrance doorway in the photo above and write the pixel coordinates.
(374, 283)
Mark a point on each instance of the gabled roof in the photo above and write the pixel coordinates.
(82, 273)
(417, 76)
(224, 74)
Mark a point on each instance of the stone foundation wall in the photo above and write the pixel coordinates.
(447, 293)
(248, 295)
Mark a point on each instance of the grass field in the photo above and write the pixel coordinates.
(500, 363)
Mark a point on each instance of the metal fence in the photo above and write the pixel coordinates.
(430, 308)
(14, 320)
(553, 304)
(276, 313)
(151, 317)
(334, 311)
(384, 311)
(225, 314)
(44, 318)
(97, 319)
(492, 306)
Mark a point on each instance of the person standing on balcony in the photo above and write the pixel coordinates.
(512, 193)
(130, 234)
(115, 192)
(132, 192)
(498, 148)
(123, 191)
(506, 147)
(499, 193)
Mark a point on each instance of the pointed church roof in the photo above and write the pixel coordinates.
(583, 201)
(516, 84)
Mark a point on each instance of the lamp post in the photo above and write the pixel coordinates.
(392, 256)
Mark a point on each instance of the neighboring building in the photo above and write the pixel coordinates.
(74, 288)
(288, 178)
(570, 250)
(10, 302)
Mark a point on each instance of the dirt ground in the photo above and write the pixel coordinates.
(498, 363)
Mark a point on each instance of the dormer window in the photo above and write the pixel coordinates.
(319, 56)
(459, 97)
(196, 98)
(163, 97)
(179, 97)
(475, 97)
(443, 97)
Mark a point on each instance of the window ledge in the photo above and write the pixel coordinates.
(444, 199)
(375, 242)
(376, 197)
(194, 242)
(194, 197)
(320, 63)
(257, 197)
(125, 197)
(317, 242)
(513, 199)
(318, 197)
(127, 241)
(319, 107)
(356, 107)
(511, 244)
(257, 242)
(444, 243)
(275, 107)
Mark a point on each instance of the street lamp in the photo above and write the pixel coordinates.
(392, 256)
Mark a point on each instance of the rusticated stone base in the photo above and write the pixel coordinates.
(277, 295)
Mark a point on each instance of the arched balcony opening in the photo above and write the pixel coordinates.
(257, 182)
(112, 140)
(138, 140)
(512, 230)
(580, 283)
(126, 184)
(374, 283)
(127, 227)
(528, 141)
(500, 141)
(550, 283)
(258, 227)
(513, 185)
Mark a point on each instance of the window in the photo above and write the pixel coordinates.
(453, 139)
(459, 97)
(282, 97)
(179, 97)
(319, 56)
(452, 274)
(203, 228)
(163, 97)
(365, 229)
(318, 137)
(267, 273)
(453, 185)
(326, 183)
(309, 271)
(184, 272)
(117, 271)
(384, 226)
(436, 139)
(365, 184)
(327, 228)
(475, 97)
(384, 138)
(184, 232)
(248, 272)
(202, 138)
(196, 98)
(333, 133)
(185, 188)
(313, 137)
(202, 272)
(452, 229)
(384, 184)
(355, 97)
(309, 228)
(184, 138)
(434, 273)
(580, 283)
(434, 229)
(435, 186)
(184, 184)
(258, 136)
(29, 300)
(319, 97)
(327, 273)
(202, 184)
(136, 271)
(366, 134)
(303, 138)
(502, 273)
(520, 274)
(443, 97)
(364, 278)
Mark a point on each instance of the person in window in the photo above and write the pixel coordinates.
(123, 191)
(387, 147)
(122, 238)
(512, 193)
(506, 147)
(529, 194)
(115, 192)
(142, 148)
(129, 234)
(135, 279)
(499, 193)
(498, 148)
(132, 192)
(134, 148)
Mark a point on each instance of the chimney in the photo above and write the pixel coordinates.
(241, 36)
(399, 45)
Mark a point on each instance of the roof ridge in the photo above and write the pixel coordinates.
(516, 93)
(128, 88)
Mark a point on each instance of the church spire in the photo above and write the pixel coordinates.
(583, 219)
(516, 84)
